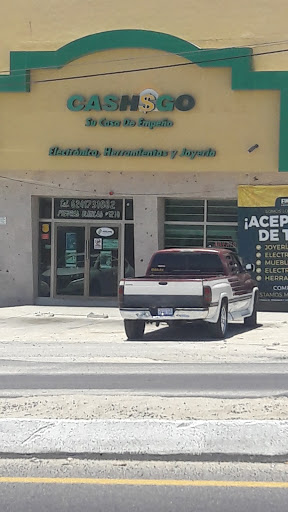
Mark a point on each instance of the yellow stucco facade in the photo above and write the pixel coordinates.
(226, 121)
(223, 120)
(30, 25)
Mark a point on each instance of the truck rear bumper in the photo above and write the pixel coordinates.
(179, 314)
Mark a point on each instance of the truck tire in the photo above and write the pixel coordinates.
(134, 329)
(218, 330)
(251, 321)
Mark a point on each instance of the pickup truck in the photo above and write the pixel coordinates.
(183, 285)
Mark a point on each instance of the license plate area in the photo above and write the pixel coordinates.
(165, 312)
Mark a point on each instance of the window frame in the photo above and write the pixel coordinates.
(203, 223)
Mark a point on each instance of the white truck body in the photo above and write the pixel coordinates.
(238, 307)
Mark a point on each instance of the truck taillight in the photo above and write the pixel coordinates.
(121, 295)
(207, 295)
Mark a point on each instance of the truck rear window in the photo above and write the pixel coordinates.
(181, 263)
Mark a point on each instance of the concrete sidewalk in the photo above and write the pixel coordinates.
(104, 311)
(119, 426)
(59, 311)
(58, 333)
(18, 318)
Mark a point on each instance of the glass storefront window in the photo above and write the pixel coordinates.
(83, 258)
(104, 262)
(45, 208)
(200, 223)
(129, 213)
(185, 210)
(129, 264)
(222, 211)
(70, 260)
(183, 236)
(44, 273)
(222, 236)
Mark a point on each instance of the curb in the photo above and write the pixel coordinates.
(237, 438)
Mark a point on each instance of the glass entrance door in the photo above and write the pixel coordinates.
(70, 260)
(87, 260)
(103, 261)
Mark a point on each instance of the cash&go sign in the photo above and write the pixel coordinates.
(145, 102)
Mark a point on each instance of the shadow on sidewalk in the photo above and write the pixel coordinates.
(195, 332)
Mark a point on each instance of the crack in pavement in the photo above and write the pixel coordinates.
(34, 434)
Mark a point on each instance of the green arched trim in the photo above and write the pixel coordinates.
(22, 62)
(238, 59)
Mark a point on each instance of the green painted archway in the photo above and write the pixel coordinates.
(238, 59)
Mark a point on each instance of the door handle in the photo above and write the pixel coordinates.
(87, 249)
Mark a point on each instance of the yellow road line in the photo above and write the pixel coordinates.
(138, 482)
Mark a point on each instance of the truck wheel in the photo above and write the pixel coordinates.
(251, 321)
(134, 329)
(218, 330)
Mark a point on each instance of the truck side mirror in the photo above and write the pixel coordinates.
(250, 267)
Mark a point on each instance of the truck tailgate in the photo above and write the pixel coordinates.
(154, 293)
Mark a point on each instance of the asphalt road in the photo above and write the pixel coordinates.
(71, 485)
(214, 380)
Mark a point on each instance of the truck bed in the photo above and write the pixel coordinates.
(152, 292)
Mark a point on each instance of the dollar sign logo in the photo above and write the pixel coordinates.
(147, 103)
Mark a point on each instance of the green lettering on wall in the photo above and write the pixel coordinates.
(165, 103)
(93, 103)
(76, 103)
(110, 103)
(127, 101)
(185, 102)
(138, 152)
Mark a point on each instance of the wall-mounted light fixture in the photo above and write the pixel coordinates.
(253, 147)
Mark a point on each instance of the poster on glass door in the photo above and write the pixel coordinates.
(263, 238)
(70, 250)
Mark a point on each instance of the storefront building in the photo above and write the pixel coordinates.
(120, 141)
